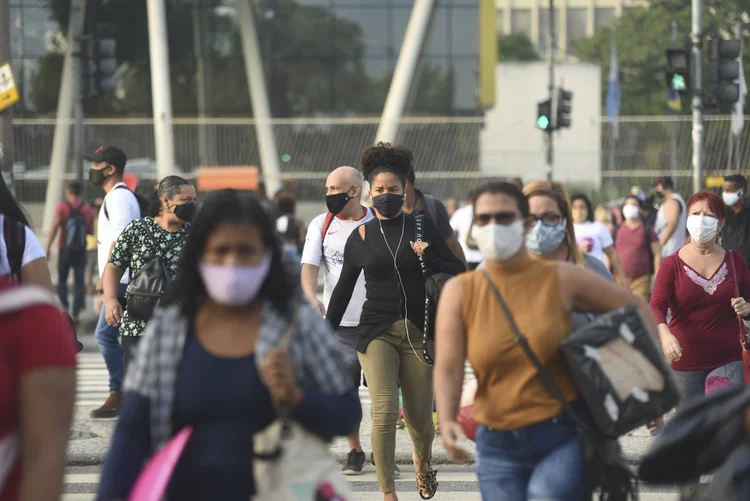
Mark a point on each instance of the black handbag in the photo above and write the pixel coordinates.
(607, 473)
(620, 372)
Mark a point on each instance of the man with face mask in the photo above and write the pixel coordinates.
(324, 246)
(119, 208)
(671, 217)
(736, 234)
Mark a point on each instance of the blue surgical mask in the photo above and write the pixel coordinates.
(542, 239)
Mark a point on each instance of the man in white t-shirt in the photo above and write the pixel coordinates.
(461, 223)
(119, 208)
(324, 246)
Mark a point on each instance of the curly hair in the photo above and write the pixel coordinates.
(384, 157)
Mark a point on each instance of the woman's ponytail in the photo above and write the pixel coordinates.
(154, 202)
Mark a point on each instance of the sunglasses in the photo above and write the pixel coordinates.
(501, 218)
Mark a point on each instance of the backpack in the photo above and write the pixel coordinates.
(146, 289)
(142, 202)
(431, 206)
(14, 235)
(75, 230)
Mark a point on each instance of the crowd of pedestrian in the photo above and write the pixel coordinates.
(212, 328)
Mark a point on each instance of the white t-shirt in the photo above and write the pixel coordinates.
(122, 208)
(677, 240)
(461, 224)
(335, 241)
(31, 252)
(596, 236)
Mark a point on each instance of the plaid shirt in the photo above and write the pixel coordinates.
(318, 360)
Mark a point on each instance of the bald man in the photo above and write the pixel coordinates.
(324, 245)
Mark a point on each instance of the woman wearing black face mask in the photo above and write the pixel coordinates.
(390, 329)
(159, 235)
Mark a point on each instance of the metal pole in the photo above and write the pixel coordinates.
(403, 75)
(78, 63)
(6, 117)
(551, 63)
(673, 125)
(161, 93)
(697, 46)
(269, 157)
(65, 103)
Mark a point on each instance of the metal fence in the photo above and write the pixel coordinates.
(447, 150)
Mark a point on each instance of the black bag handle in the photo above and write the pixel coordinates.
(581, 427)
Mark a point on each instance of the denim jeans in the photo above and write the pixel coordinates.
(109, 346)
(543, 461)
(77, 261)
(694, 382)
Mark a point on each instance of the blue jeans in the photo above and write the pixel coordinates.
(77, 261)
(543, 461)
(109, 346)
(694, 382)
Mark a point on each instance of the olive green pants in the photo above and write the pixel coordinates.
(388, 361)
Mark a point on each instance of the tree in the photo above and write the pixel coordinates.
(642, 37)
(516, 47)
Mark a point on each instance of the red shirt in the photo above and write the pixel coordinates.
(62, 212)
(703, 320)
(630, 245)
(31, 339)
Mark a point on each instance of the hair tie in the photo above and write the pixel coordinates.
(156, 188)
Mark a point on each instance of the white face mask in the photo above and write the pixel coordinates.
(731, 199)
(498, 242)
(702, 229)
(630, 212)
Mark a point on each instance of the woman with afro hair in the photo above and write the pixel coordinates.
(390, 328)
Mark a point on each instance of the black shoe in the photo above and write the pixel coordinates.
(396, 470)
(355, 461)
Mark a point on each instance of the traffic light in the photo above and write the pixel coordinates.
(564, 107)
(544, 116)
(100, 65)
(723, 71)
(678, 70)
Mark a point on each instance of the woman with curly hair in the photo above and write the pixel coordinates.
(390, 327)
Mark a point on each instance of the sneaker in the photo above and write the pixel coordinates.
(355, 461)
(111, 408)
(396, 471)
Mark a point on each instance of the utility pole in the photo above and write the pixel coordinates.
(673, 125)
(78, 91)
(551, 62)
(6, 117)
(697, 45)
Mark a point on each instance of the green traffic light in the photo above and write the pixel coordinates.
(542, 122)
(678, 82)
(286, 157)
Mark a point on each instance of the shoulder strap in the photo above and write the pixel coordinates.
(326, 225)
(523, 343)
(24, 296)
(743, 334)
(106, 212)
(419, 228)
(431, 205)
(14, 234)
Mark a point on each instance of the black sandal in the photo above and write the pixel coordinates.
(427, 484)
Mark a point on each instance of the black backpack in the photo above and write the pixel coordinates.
(146, 288)
(75, 230)
(14, 235)
(142, 202)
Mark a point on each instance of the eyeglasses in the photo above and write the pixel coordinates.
(501, 218)
(548, 218)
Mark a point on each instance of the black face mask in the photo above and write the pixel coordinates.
(186, 212)
(388, 204)
(337, 202)
(659, 194)
(97, 177)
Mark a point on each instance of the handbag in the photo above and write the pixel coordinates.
(153, 480)
(433, 287)
(620, 372)
(291, 463)
(606, 470)
(743, 332)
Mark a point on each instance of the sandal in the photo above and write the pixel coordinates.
(427, 484)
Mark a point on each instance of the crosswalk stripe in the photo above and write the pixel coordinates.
(413, 496)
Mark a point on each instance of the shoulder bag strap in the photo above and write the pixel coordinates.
(523, 343)
(326, 225)
(14, 234)
(743, 334)
(420, 237)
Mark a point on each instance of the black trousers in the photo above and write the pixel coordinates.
(129, 344)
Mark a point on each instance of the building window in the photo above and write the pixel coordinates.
(520, 21)
(576, 26)
(603, 16)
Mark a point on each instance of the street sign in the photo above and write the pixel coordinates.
(8, 90)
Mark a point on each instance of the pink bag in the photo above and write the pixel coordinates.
(154, 477)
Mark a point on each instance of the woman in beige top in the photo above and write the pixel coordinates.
(527, 447)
